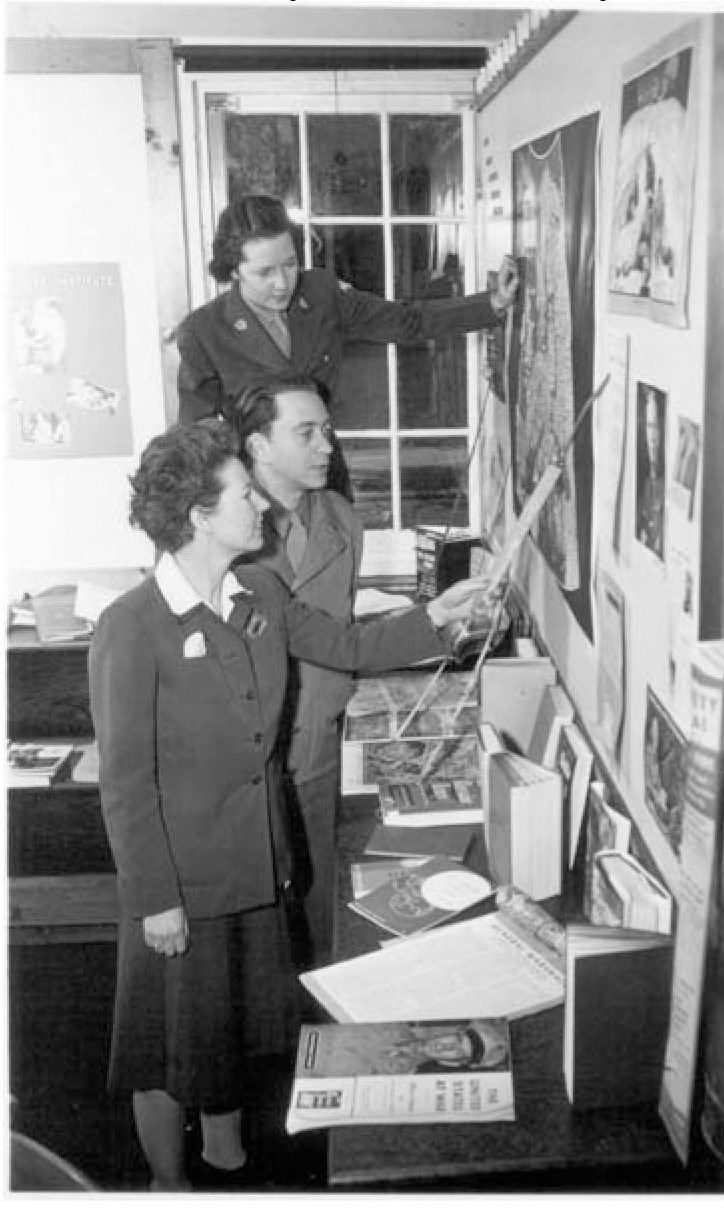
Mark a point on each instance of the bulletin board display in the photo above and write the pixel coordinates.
(622, 642)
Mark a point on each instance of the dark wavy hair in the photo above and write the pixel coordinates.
(255, 409)
(250, 217)
(178, 471)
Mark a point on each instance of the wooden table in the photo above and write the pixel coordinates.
(547, 1140)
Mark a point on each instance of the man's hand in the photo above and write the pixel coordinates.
(167, 932)
(461, 601)
(508, 282)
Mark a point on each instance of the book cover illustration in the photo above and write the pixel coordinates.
(574, 761)
(366, 763)
(420, 898)
(380, 707)
(450, 1071)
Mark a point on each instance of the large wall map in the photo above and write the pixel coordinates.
(550, 363)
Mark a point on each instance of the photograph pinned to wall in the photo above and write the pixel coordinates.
(664, 762)
(67, 376)
(651, 405)
(653, 194)
(682, 629)
(686, 466)
(611, 650)
(551, 346)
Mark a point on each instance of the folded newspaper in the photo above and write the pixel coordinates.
(451, 1071)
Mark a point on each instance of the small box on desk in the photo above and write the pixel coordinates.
(443, 557)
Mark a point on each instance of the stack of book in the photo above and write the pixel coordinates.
(433, 802)
(626, 895)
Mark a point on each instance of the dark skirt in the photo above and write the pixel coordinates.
(187, 1024)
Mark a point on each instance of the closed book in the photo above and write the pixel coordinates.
(524, 826)
(490, 742)
(452, 1071)
(574, 761)
(606, 828)
(452, 841)
(37, 764)
(55, 615)
(618, 993)
(554, 712)
(366, 762)
(434, 802)
(634, 898)
(420, 898)
(510, 693)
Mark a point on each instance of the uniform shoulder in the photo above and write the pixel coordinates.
(132, 611)
(205, 314)
(338, 506)
(317, 284)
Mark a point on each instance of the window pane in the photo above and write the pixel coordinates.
(345, 164)
(427, 165)
(363, 393)
(354, 253)
(431, 376)
(262, 156)
(432, 474)
(369, 465)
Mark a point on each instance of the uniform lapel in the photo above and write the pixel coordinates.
(325, 543)
(255, 343)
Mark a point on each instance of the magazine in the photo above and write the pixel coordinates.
(453, 1071)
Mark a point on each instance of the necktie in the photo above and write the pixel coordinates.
(280, 332)
(296, 541)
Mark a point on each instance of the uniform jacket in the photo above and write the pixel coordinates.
(224, 347)
(188, 770)
(326, 579)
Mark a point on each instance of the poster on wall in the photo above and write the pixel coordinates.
(67, 381)
(648, 270)
(550, 360)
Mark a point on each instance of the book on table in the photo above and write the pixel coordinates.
(508, 963)
(421, 898)
(490, 742)
(55, 615)
(32, 764)
(618, 994)
(524, 825)
(367, 762)
(435, 801)
(574, 761)
(626, 895)
(451, 840)
(509, 693)
(366, 876)
(412, 1072)
(606, 828)
(554, 712)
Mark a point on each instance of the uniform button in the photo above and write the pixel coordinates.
(258, 738)
(325, 359)
(256, 780)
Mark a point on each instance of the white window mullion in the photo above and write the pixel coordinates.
(389, 292)
(304, 186)
(476, 391)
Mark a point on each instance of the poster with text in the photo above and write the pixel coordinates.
(650, 241)
(67, 380)
(550, 361)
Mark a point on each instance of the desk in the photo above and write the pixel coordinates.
(547, 1134)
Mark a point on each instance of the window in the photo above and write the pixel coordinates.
(378, 169)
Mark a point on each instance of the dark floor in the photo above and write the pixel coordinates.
(60, 1014)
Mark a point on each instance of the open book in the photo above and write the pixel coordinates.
(402, 1072)
(508, 963)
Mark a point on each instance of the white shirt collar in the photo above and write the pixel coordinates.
(181, 597)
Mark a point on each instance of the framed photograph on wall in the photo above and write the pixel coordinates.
(648, 271)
